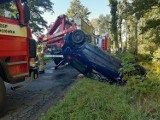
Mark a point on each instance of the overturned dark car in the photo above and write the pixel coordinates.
(89, 59)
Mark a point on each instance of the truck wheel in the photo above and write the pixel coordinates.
(2, 96)
(77, 37)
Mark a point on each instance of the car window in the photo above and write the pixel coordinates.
(9, 10)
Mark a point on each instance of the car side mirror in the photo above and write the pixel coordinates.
(26, 13)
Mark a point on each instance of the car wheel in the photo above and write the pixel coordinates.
(78, 37)
(2, 96)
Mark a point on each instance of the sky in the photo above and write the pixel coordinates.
(96, 7)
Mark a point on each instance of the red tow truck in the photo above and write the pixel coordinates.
(54, 39)
(17, 48)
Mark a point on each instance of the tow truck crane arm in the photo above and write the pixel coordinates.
(55, 37)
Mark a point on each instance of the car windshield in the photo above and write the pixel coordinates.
(8, 9)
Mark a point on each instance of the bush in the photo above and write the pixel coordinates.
(141, 89)
(144, 57)
(138, 85)
(156, 56)
(128, 62)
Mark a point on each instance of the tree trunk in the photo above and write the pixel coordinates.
(136, 36)
(116, 40)
(126, 43)
(120, 33)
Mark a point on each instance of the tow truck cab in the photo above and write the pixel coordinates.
(17, 48)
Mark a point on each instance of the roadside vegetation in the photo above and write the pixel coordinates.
(93, 100)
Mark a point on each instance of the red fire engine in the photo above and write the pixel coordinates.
(103, 42)
(17, 49)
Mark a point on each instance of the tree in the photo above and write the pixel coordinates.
(95, 25)
(150, 9)
(94, 22)
(140, 7)
(113, 5)
(10, 7)
(103, 22)
(77, 10)
(120, 18)
(38, 8)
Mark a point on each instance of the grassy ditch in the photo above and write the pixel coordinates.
(93, 100)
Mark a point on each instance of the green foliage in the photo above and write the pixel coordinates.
(114, 17)
(143, 88)
(147, 48)
(128, 63)
(145, 94)
(141, 22)
(94, 22)
(144, 58)
(151, 25)
(149, 13)
(38, 8)
(77, 10)
(92, 100)
(140, 7)
(9, 7)
(156, 56)
(130, 67)
(103, 22)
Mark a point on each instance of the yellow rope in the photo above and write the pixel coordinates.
(20, 87)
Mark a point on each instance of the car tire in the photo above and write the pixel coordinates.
(78, 37)
(2, 96)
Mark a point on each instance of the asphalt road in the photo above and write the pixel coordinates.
(32, 102)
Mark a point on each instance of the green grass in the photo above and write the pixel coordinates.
(92, 100)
